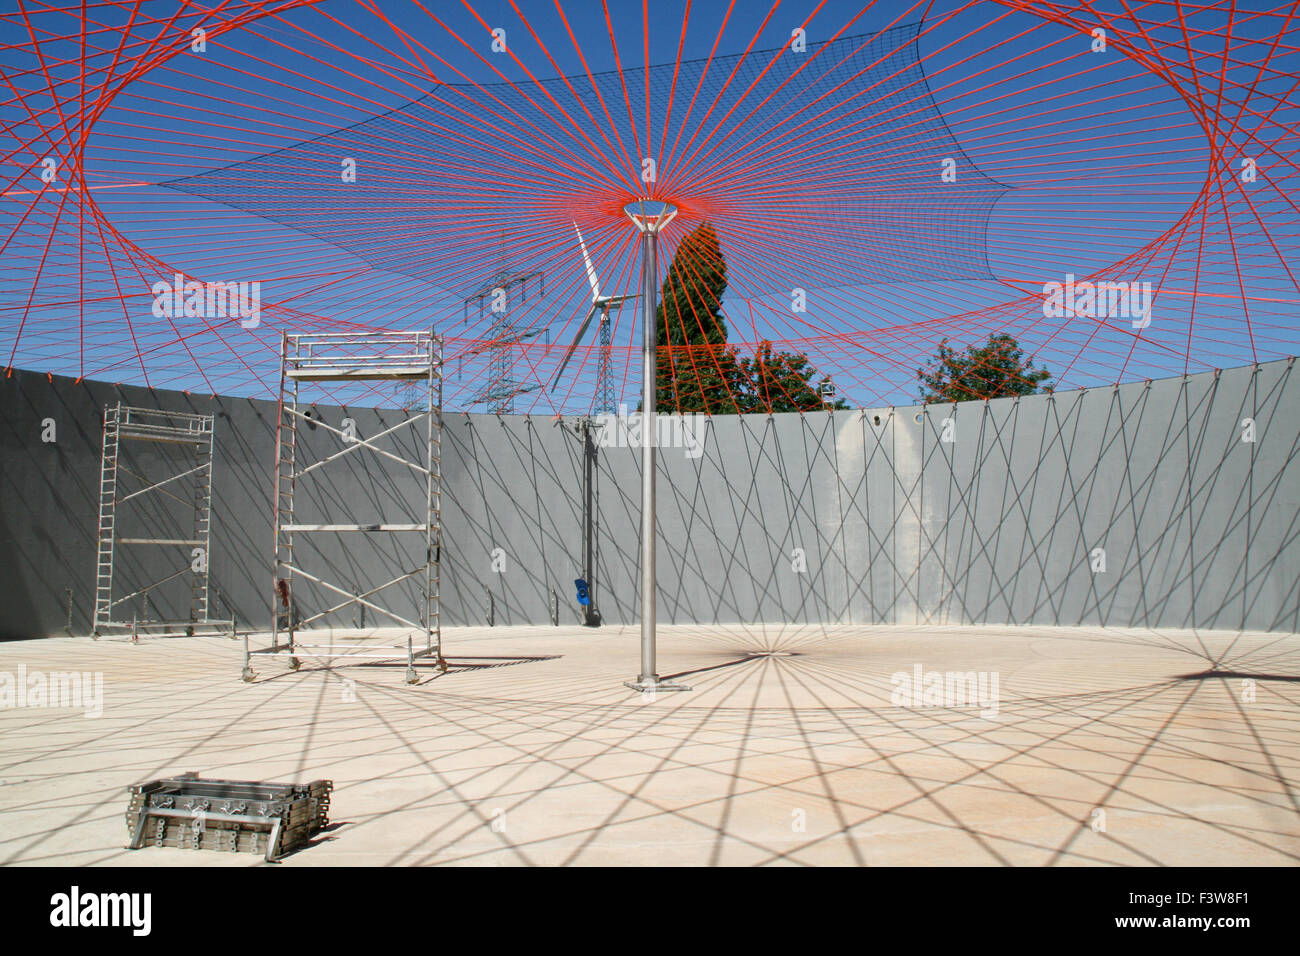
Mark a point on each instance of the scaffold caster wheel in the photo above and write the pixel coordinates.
(294, 663)
(246, 675)
(410, 675)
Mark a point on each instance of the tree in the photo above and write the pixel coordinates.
(782, 382)
(994, 370)
(697, 370)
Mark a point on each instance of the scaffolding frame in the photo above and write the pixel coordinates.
(355, 357)
(191, 429)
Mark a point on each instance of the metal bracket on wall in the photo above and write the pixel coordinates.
(360, 620)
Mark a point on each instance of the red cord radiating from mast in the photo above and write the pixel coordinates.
(878, 183)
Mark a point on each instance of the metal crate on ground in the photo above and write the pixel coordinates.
(238, 816)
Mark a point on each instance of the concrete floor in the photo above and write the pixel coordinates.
(1108, 747)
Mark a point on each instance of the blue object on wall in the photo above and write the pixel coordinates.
(584, 597)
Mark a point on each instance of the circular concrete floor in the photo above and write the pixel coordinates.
(796, 745)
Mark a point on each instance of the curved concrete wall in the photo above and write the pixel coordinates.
(983, 512)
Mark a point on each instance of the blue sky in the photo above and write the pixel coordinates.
(1100, 157)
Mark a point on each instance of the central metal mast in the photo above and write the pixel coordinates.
(649, 216)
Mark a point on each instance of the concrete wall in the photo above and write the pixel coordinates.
(895, 524)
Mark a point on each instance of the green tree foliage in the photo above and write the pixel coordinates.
(996, 369)
(697, 370)
(782, 382)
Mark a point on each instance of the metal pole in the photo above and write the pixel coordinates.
(649, 300)
(649, 221)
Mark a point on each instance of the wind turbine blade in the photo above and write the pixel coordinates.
(591, 270)
(573, 346)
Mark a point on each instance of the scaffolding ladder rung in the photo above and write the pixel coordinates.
(191, 541)
(352, 527)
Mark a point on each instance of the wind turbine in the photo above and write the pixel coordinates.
(602, 304)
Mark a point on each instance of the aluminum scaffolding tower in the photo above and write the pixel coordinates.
(347, 357)
(128, 423)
